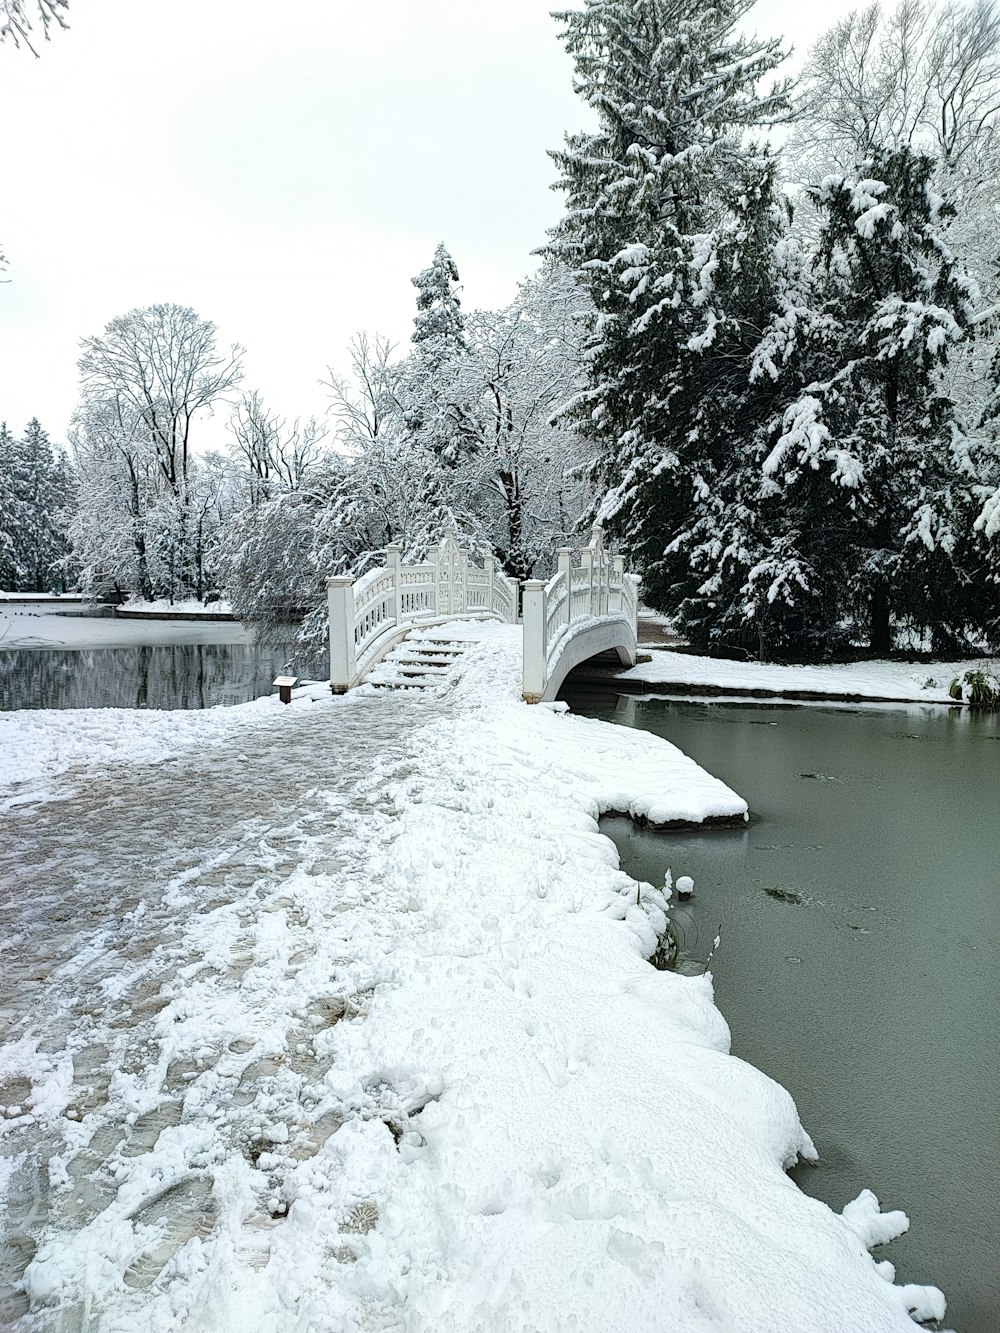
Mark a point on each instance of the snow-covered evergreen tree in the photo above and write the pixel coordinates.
(42, 541)
(654, 197)
(13, 509)
(439, 325)
(870, 483)
(36, 491)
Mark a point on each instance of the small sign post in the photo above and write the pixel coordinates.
(285, 686)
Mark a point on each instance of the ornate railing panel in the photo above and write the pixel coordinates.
(368, 613)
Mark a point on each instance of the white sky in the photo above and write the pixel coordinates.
(285, 170)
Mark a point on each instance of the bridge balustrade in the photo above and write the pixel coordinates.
(370, 615)
(573, 600)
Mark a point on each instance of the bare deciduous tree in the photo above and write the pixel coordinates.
(162, 364)
(274, 455)
(16, 19)
(366, 402)
(922, 76)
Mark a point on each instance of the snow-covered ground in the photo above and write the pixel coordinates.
(338, 1017)
(902, 682)
(42, 626)
(43, 598)
(191, 607)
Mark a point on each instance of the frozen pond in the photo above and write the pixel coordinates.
(53, 657)
(860, 914)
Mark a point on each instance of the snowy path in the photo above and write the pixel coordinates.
(157, 951)
(341, 1019)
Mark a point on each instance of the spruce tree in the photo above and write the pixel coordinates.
(439, 325)
(40, 539)
(668, 224)
(13, 485)
(870, 484)
(438, 398)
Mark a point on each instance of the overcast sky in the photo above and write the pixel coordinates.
(284, 181)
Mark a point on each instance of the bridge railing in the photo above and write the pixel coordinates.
(597, 588)
(368, 615)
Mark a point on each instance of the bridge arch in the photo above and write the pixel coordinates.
(577, 614)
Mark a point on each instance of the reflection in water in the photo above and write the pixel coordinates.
(179, 676)
(858, 966)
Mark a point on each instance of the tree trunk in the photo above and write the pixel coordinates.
(880, 637)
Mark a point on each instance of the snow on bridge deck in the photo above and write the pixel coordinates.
(338, 1015)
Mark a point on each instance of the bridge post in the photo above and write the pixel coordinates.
(619, 572)
(587, 563)
(490, 565)
(533, 616)
(565, 556)
(393, 558)
(461, 573)
(340, 602)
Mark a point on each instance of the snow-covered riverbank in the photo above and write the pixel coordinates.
(899, 682)
(338, 1017)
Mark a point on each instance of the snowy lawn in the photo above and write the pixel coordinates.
(42, 626)
(338, 1017)
(902, 682)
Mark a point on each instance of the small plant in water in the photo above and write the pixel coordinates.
(670, 945)
(668, 949)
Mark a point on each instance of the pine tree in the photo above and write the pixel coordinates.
(660, 203)
(41, 540)
(870, 484)
(13, 517)
(35, 499)
(439, 325)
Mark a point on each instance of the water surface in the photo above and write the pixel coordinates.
(860, 916)
(142, 676)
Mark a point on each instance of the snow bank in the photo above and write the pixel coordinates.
(189, 607)
(888, 681)
(430, 1080)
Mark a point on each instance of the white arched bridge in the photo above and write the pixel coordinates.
(587, 607)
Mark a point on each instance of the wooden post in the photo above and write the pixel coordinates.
(340, 601)
(285, 686)
(533, 615)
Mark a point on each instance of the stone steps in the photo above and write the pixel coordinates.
(420, 664)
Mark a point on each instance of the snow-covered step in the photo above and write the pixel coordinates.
(420, 663)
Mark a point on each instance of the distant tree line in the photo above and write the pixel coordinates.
(457, 430)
